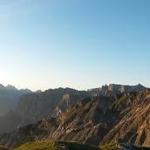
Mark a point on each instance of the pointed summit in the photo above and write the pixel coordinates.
(2, 86)
(11, 87)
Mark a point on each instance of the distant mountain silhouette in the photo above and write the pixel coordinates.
(33, 107)
(9, 97)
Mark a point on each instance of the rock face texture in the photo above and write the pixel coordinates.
(123, 117)
(134, 127)
(115, 89)
(113, 113)
(32, 107)
(36, 106)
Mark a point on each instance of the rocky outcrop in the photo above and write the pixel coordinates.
(36, 106)
(88, 121)
(134, 127)
(123, 117)
(85, 122)
(115, 89)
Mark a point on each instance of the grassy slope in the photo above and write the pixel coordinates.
(48, 145)
(45, 145)
(42, 145)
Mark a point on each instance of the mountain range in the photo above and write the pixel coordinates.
(100, 116)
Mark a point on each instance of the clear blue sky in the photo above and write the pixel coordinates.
(74, 43)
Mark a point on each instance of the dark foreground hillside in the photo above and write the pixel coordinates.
(49, 145)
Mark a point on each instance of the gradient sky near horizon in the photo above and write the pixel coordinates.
(74, 43)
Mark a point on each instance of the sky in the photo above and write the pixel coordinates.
(80, 44)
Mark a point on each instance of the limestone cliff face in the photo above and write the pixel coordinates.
(134, 127)
(115, 89)
(33, 107)
(86, 122)
(36, 106)
(123, 117)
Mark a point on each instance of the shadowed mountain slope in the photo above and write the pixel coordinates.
(9, 97)
(98, 120)
(33, 107)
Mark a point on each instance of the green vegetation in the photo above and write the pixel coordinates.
(78, 146)
(68, 116)
(121, 100)
(39, 145)
(119, 103)
(111, 146)
(49, 145)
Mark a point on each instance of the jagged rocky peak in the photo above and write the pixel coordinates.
(2, 86)
(93, 120)
(124, 88)
(11, 87)
(38, 91)
(114, 89)
(8, 87)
